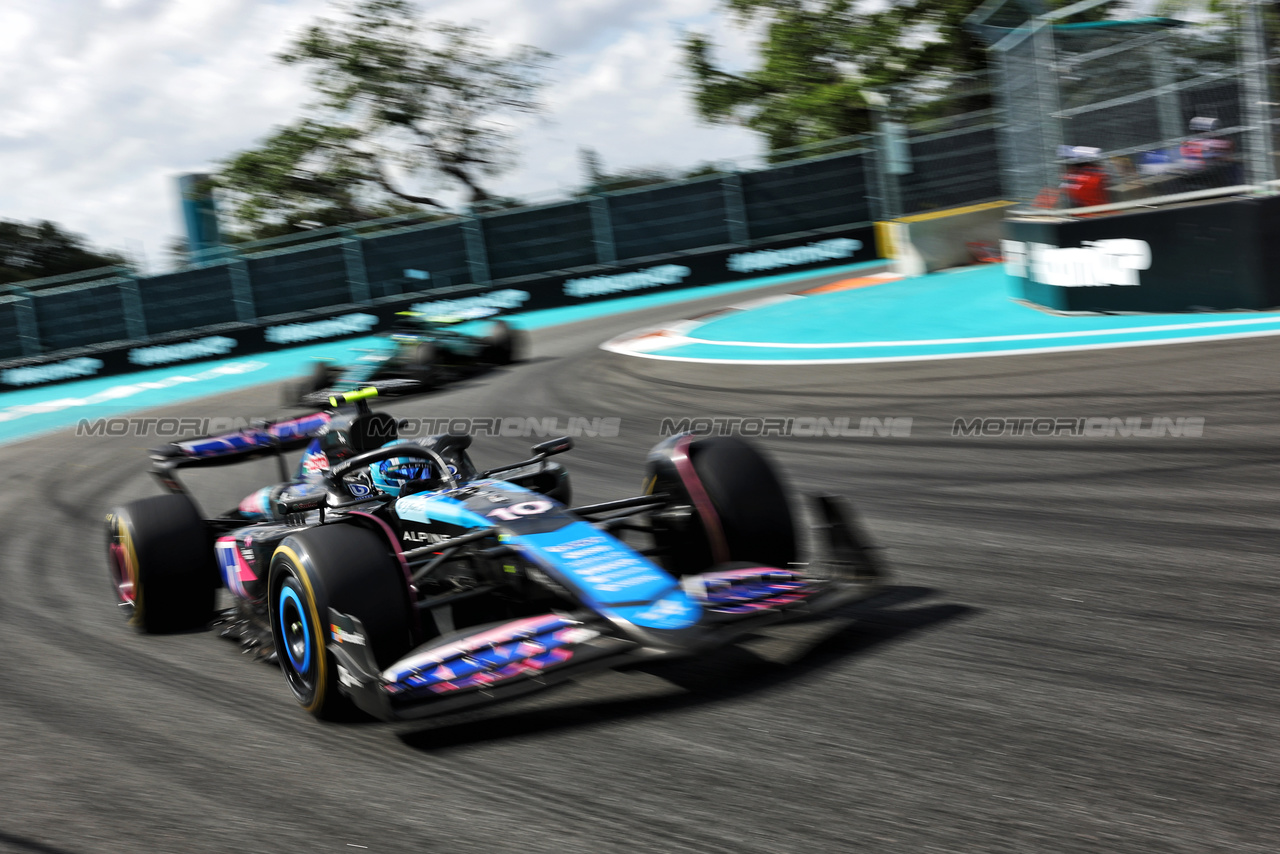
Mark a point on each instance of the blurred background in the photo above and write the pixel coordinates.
(363, 149)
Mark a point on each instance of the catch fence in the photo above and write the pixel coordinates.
(1156, 107)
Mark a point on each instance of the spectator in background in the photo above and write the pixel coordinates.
(1207, 157)
(1161, 161)
(1084, 182)
(1204, 150)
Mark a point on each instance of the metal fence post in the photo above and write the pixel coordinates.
(24, 312)
(874, 192)
(1023, 134)
(1163, 80)
(357, 273)
(889, 202)
(242, 290)
(135, 321)
(1011, 167)
(735, 209)
(602, 230)
(1047, 96)
(1259, 166)
(477, 254)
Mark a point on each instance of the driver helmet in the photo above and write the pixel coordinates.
(391, 475)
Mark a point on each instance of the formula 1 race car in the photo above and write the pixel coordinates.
(421, 352)
(400, 580)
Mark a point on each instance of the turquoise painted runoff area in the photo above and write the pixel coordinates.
(27, 412)
(37, 410)
(959, 313)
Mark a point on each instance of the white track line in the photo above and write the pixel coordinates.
(618, 345)
(1031, 336)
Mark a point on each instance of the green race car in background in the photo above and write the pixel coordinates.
(420, 353)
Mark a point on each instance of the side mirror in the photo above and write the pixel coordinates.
(540, 453)
(552, 447)
(289, 504)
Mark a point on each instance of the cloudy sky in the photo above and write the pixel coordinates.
(104, 102)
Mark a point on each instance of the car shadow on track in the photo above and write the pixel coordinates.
(22, 843)
(725, 674)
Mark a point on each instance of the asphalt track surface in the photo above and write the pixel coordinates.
(1078, 653)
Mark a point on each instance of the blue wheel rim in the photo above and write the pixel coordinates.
(288, 595)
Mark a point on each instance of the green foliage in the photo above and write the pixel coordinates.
(598, 179)
(391, 92)
(818, 58)
(40, 249)
(303, 176)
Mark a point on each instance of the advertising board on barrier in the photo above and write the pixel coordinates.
(507, 299)
(164, 354)
(652, 277)
(71, 369)
(707, 268)
(1095, 264)
(772, 259)
(553, 290)
(1216, 255)
(317, 330)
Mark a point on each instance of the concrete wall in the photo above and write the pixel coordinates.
(939, 240)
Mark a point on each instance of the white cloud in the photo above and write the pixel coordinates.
(106, 101)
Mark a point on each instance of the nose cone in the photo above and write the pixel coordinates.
(675, 610)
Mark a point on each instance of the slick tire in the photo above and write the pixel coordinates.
(423, 364)
(160, 555)
(501, 345)
(749, 517)
(322, 377)
(350, 569)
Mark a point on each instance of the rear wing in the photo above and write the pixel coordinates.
(237, 446)
(444, 318)
(268, 438)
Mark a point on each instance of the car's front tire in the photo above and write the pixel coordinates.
(727, 504)
(348, 568)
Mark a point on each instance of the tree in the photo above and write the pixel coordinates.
(597, 179)
(391, 91)
(818, 58)
(40, 249)
(303, 176)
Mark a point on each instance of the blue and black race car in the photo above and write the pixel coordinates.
(394, 577)
(421, 352)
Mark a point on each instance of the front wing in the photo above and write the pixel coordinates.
(506, 660)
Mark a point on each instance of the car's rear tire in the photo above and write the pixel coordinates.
(501, 344)
(160, 554)
(727, 504)
(423, 364)
(350, 569)
(323, 375)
